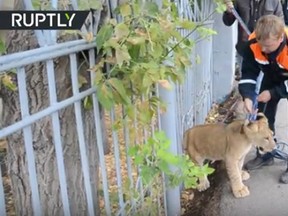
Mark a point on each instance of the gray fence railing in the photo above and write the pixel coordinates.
(188, 105)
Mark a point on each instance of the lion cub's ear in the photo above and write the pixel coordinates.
(250, 127)
(261, 117)
(262, 121)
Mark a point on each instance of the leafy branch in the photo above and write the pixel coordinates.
(135, 55)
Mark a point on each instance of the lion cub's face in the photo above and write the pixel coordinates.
(260, 134)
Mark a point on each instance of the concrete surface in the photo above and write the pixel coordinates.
(223, 57)
(267, 196)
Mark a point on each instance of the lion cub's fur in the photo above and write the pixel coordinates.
(229, 143)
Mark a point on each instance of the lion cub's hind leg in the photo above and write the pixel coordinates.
(204, 183)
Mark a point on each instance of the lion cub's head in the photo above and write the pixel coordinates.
(259, 133)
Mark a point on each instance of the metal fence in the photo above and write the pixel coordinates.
(188, 105)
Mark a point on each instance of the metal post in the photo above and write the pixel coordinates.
(168, 124)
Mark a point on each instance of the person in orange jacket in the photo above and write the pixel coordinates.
(250, 11)
(266, 51)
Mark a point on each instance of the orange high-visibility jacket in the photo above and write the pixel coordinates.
(273, 65)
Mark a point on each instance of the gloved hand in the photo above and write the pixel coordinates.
(229, 5)
(250, 109)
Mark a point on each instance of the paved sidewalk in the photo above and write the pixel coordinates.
(267, 196)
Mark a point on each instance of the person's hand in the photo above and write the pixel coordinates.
(229, 5)
(264, 96)
(248, 105)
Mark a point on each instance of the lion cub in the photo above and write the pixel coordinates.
(229, 143)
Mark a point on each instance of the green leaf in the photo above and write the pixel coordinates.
(148, 173)
(125, 10)
(103, 35)
(36, 4)
(136, 40)
(88, 104)
(81, 80)
(83, 4)
(8, 82)
(87, 4)
(134, 52)
(174, 10)
(99, 77)
(112, 42)
(157, 51)
(117, 125)
(147, 81)
(2, 47)
(205, 32)
(121, 30)
(220, 7)
(130, 111)
(105, 96)
(164, 166)
(133, 150)
(122, 55)
(186, 24)
(190, 183)
(151, 8)
(139, 159)
(119, 87)
(207, 170)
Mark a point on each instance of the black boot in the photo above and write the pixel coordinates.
(260, 160)
(284, 176)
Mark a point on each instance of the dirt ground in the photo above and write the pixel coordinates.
(207, 203)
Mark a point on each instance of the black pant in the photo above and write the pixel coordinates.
(270, 111)
(270, 108)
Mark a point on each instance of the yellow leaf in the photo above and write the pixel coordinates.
(141, 32)
(165, 84)
(125, 10)
(110, 60)
(81, 80)
(136, 40)
(89, 37)
(122, 55)
(8, 82)
(121, 30)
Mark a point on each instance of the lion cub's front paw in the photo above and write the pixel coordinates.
(245, 175)
(203, 185)
(243, 192)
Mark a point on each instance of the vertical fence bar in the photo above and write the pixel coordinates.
(128, 158)
(168, 124)
(99, 137)
(57, 138)
(160, 129)
(27, 131)
(2, 196)
(80, 132)
(117, 160)
(39, 33)
(53, 33)
(139, 183)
